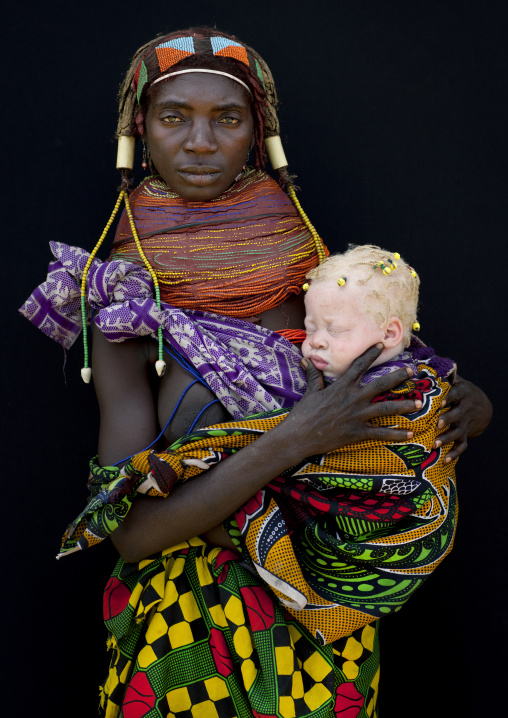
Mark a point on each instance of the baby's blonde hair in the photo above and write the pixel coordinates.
(392, 294)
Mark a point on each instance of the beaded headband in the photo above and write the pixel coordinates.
(167, 54)
(210, 72)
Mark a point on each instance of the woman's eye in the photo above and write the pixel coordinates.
(171, 119)
(229, 120)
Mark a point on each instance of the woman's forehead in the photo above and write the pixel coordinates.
(199, 87)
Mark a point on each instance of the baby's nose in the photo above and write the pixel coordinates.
(318, 340)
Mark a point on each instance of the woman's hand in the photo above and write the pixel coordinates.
(341, 414)
(469, 415)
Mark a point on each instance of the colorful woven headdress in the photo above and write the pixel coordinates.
(168, 53)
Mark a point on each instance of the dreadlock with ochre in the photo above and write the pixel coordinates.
(205, 51)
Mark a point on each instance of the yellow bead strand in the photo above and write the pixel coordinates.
(160, 364)
(86, 371)
(315, 236)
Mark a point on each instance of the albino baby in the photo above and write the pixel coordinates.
(357, 299)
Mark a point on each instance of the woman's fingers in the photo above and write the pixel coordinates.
(382, 384)
(368, 432)
(315, 379)
(452, 433)
(393, 408)
(452, 416)
(341, 414)
(470, 409)
(457, 449)
(362, 363)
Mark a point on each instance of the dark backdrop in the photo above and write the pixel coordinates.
(393, 118)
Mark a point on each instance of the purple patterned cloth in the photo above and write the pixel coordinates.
(416, 353)
(249, 368)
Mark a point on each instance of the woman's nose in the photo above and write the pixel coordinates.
(201, 138)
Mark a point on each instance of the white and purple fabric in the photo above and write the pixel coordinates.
(249, 368)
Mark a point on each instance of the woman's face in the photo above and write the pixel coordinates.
(198, 129)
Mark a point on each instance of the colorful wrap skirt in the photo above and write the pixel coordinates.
(195, 633)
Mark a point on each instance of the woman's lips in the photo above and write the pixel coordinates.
(203, 178)
(318, 362)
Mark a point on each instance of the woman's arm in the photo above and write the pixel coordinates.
(322, 421)
(128, 414)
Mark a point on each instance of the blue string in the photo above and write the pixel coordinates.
(201, 412)
(165, 425)
(185, 364)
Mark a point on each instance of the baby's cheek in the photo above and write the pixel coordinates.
(305, 349)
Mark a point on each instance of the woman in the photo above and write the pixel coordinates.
(184, 621)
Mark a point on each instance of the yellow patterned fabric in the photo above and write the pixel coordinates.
(346, 537)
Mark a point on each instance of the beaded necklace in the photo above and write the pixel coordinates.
(240, 254)
(165, 276)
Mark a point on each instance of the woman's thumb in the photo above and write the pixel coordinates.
(315, 381)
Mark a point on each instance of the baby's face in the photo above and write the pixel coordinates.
(338, 327)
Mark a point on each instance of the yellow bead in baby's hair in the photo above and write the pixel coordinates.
(386, 270)
(413, 273)
(305, 286)
(416, 326)
(341, 281)
(396, 255)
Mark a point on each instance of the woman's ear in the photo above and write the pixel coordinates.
(394, 332)
(140, 122)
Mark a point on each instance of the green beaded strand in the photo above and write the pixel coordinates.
(86, 371)
(160, 364)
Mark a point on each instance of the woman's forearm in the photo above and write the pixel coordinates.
(200, 504)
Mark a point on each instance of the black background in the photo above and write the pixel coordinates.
(393, 116)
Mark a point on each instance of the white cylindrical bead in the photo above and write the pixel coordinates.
(125, 155)
(275, 152)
